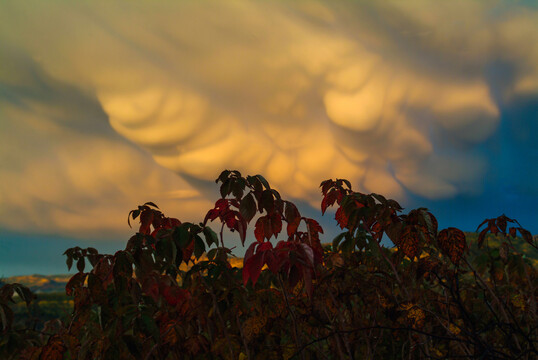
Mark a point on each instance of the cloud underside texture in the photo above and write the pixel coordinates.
(103, 104)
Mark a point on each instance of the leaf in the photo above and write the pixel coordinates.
(80, 264)
(146, 218)
(308, 253)
(248, 207)
(259, 229)
(526, 235)
(263, 181)
(182, 236)
(501, 223)
(452, 243)
(341, 218)
(253, 267)
(54, 350)
(199, 247)
(338, 239)
(134, 213)
(325, 186)
(241, 227)
(482, 236)
(223, 176)
(76, 281)
(394, 231)
(6, 316)
(211, 254)
(210, 236)
(149, 326)
(24, 293)
(134, 346)
(513, 232)
(276, 224)
(292, 216)
(69, 262)
(267, 202)
(409, 242)
(152, 204)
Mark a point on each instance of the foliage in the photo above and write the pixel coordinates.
(433, 296)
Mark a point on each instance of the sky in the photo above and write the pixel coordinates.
(105, 105)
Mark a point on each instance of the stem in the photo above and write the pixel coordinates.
(497, 300)
(242, 336)
(340, 324)
(217, 310)
(293, 318)
(533, 298)
(222, 235)
(380, 248)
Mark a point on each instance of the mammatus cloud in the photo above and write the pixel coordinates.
(396, 97)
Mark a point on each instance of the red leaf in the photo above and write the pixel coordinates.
(76, 281)
(314, 226)
(341, 218)
(259, 228)
(308, 253)
(54, 349)
(326, 185)
(267, 227)
(253, 267)
(329, 199)
(324, 205)
(211, 215)
(174, 295)
(250, 251)
(146, 218)
(276, 224)
(501, 223)
(293, 226)
(526, 235)
(513, 232)
(293, 218)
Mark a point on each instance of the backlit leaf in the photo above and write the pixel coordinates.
(452, 243)
(248, 207)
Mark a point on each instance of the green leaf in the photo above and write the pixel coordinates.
(263, 181)
(226, 188)
(210, 236)
(211, 254)
(134, 346)
(248, 207)
(24, 293)
(80, 264)
(338, 239)
(199, 247)
(69, 262)
(152, 204)
(182, 235)
(149, 326)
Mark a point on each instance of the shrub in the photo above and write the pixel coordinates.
(433, 295)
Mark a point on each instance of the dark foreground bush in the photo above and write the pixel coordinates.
(432, 296)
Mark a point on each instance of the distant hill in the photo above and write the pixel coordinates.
(41, 283)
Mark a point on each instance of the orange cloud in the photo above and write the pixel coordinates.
(304, 91)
